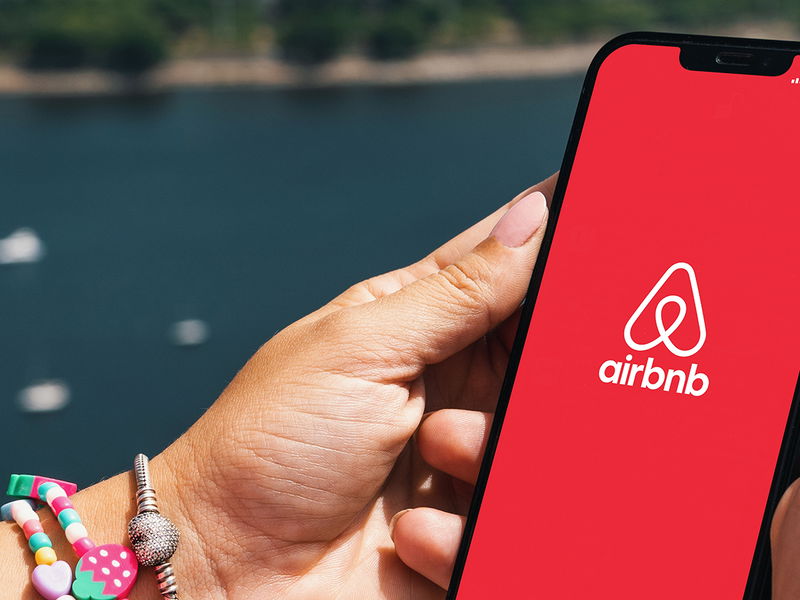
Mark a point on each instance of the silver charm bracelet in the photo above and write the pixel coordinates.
(154, 538)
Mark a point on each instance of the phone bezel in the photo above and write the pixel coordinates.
(758, 582)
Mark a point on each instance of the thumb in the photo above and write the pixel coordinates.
(435, 317)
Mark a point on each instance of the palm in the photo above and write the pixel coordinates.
(471, 380)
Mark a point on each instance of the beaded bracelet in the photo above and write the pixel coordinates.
(104, 572)
(52, 578)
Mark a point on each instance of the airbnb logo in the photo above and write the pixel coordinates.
(649, 375)
(665, 332)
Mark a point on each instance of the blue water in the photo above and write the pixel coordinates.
(246, 209)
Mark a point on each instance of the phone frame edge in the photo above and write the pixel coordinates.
(754, 587)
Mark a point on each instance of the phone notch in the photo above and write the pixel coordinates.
(732, 59)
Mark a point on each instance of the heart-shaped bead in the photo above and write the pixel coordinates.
(52, 581)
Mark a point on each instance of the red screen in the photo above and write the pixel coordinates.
(655, 383)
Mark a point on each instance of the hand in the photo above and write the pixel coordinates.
(296, 482)
(785, 542)
(304, 461)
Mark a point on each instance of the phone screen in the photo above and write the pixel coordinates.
(654, 386)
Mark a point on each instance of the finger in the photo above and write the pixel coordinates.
(786, 503)
(785, 538)
(464, 242)
(451, 251)
(433, 318)
(427, 541)
(453, 441)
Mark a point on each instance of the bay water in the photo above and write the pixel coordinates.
(243, 208)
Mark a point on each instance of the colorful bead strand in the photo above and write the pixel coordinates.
(52, 578)
(104, 572)
(56, 498)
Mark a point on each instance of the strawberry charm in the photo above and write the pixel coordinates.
(105, 572)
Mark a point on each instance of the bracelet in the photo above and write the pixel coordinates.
(106, 572)
(154, 538)
(52, 578)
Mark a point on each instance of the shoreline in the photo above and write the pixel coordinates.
(482, 63)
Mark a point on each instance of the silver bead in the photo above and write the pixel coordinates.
(154, 538)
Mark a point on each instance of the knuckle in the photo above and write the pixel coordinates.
(339, 323)
(469, 282)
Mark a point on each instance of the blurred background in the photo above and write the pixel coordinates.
(183, 178)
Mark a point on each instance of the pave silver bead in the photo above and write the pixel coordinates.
(154, 538)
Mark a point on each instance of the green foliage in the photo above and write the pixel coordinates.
(313, 31)
(136, 46)
(314, 36)
(475, 20)
(90, 33)
(397, 34)
(132, 36)
(128, 36)
(177, 16)
(549, 20)
(711, 12)
(53, 46)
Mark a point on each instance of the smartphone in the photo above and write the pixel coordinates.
(648, 422)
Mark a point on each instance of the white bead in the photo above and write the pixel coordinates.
(67, 597)
(75, 531)
(55, 492)
(22, 512)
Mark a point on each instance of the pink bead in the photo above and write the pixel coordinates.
(60, 503)
(82, 546)
(32, 526)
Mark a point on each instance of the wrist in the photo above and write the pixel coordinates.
(179, 487)
(107, 507)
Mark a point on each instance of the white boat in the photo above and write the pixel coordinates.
(189, 332)
(22, 246)
(47, 395)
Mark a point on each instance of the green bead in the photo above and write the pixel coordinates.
(39, 540)
(67, 517)
(43, 490)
